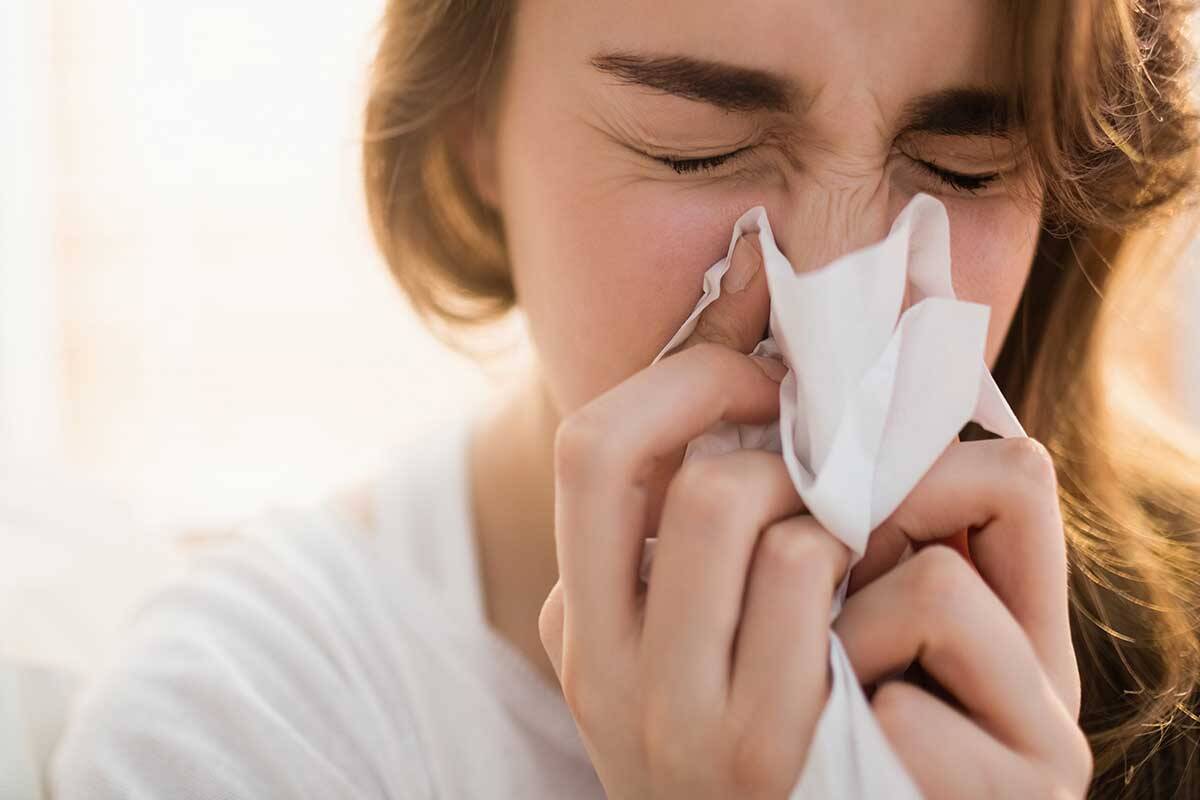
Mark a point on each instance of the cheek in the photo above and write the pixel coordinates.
(607, 267)
(606, 271)
(992, 244)
(604, 278)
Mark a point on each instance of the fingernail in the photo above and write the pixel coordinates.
(773, 368)
(742, 264)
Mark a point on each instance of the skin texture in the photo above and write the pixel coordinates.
(686, 689)
(608, 246)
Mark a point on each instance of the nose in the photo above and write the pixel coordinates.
(822, 223)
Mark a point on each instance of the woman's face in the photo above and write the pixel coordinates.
(835, 115)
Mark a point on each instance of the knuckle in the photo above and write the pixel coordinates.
(1032, 461)
(939, 579)
(1034, 468)
(809, 557)
(582, 446)
(707, 488)
(763, 766)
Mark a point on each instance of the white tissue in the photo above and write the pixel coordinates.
(872, 397)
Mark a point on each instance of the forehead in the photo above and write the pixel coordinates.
(894, 48)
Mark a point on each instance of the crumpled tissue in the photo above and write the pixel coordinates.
(873, 395)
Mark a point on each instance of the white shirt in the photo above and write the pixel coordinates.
(312, 659)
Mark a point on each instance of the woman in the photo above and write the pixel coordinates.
(585, 162)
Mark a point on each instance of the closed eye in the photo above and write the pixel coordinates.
(687, 165)
(958, 181)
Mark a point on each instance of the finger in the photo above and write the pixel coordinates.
(606, 455)
(781, 658)
(550, 627)
(946, 753)
(716, 508)
(934, 609)
(886, 547)
(738, 317)
(1005, 491)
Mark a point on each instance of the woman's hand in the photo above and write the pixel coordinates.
(998, 640)
(689, 689)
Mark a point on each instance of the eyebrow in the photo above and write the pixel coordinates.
(726, 86)
(960, 111)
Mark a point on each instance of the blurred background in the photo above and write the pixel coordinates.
(193, 321)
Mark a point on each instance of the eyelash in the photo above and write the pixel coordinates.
(958, 181)
(686, 165)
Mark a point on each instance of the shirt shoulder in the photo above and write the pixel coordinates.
(309, 657)
(275, 668)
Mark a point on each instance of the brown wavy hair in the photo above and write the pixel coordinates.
(1105, 93)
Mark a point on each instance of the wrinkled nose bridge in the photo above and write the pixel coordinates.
(825, 227)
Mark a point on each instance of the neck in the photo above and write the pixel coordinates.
(512, 495)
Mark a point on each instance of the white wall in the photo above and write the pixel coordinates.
(193, 320)
(229, 333)
(30, 390)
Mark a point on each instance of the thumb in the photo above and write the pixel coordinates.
(738, 317)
